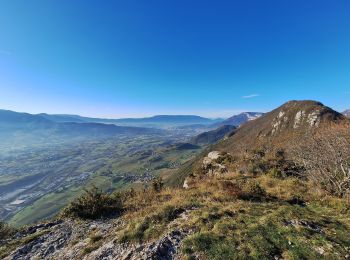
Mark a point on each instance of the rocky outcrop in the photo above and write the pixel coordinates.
(186, 186)
(72, 240)
(211, 164)
(167, 247)
(214, 164)
(43, 241)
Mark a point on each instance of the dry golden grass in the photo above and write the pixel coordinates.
(236, 216)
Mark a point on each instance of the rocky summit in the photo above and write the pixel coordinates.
(287, 125)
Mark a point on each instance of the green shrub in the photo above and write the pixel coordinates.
(258, 166)
(94, 204)
(169, 213)
(5, 230)
(95, 237)
(253, 191)
(276, 173)
(225, 159)
(124, 195)
(95, 242)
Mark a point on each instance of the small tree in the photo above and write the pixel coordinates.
(280, 156)
(326, 158)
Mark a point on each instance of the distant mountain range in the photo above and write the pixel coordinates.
(240, 119)
(347, 113)
(161, 121)
(42, 128)
(10, 120)
(158, 121)
(23, 128)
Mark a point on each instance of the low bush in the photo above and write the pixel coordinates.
(251, 190)
(95, 237)
(276, 165)
(157, 184)
(258, 167)
(169, 213)
(94, 204)
(5, 230)
(225, 159)
(231, 189)
(276, 173)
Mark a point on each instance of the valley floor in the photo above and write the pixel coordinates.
(36, 183)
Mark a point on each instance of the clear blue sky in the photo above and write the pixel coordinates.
(136, 58)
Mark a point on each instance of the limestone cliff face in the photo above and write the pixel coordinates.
(289, 123)
(283, 128)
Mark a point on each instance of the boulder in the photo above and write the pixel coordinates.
(185, 186)
(211, 166)
(214, 155)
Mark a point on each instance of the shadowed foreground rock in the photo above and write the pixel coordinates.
(68, 240)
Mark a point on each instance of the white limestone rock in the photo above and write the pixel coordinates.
(314, 119)
(298, 118)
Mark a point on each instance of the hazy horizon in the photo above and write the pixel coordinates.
(228, 114)
(144, 116)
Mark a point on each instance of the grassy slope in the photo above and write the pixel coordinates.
(229, 218)
(226, 226)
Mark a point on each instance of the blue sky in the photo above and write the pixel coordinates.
(137, 58)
